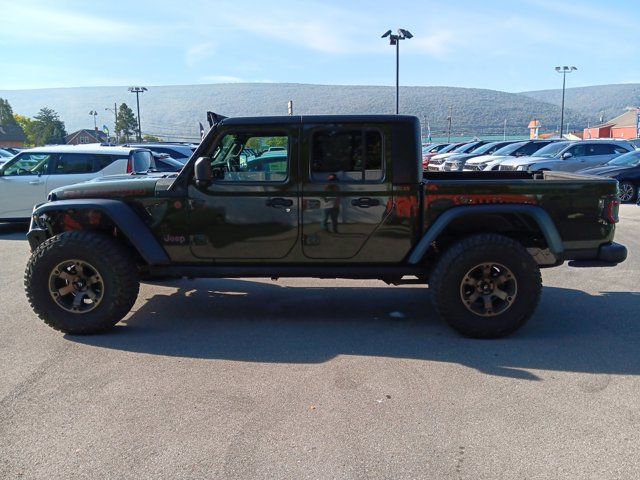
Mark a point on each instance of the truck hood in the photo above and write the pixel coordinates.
(116, 186)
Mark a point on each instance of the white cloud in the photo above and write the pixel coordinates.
(30, 22)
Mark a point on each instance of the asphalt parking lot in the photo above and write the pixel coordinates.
(227, 379)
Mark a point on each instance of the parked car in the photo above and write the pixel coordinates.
(572, 157)
(5, 155)
(455, 163)
(430, 151)
(178, 151)
(26, 179)
(436, 164)
(164, 163)
(517, 149)
(625, 169)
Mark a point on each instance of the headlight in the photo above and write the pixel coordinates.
(521, 167)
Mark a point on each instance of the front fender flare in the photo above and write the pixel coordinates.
(124, 218)
(541, 217)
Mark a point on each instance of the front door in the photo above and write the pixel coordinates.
(24, 184)
(250, 212)
(345, 191)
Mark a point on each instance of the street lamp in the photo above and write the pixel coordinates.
(564, 70)
(395, 40)
(115, 119)
(95, 114)
(138, 91)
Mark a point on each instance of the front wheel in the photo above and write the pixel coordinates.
(81, 282)
(486, 286)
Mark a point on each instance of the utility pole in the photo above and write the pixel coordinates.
(395, 40)
(564, 70)
(138, 91)
(504, 130)
(115, 119)
(449, 128)
(94, 114)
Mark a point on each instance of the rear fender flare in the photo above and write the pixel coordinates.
(542, 218)
(124, 218)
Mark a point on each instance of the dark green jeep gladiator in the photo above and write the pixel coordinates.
(318, 196)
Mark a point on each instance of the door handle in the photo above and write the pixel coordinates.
(35, 182)
(365, 202)
(279, 202)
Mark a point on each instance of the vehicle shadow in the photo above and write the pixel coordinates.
(13, 231)
(256, 322)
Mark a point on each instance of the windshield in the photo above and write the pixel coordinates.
(631, 159)
(5, 153)
(485, 148)
(465, 147)
(449, 148)
(552, 150)
(509, 149)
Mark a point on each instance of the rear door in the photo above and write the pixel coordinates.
(23, 184)
(344, 191)
(70, 168)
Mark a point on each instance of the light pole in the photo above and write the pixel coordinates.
(94, 114)
(138, 91)
(115, 119)
(564, 70)
(395, 40)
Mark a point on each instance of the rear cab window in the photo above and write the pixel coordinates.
(347, 155)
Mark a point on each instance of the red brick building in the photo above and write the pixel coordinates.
(12, 136)
(624, 126)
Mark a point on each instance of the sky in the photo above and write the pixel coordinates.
(502, 45)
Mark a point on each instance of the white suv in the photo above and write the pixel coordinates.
(26, 179)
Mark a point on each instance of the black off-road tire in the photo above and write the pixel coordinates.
(117, 269)
(450, 273)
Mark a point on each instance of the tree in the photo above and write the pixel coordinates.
(127, 124)
(150, 139)
(27, 127)
(6, 113)
(46, 128)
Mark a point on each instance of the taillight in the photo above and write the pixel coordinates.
(611, 208)
(130, 165)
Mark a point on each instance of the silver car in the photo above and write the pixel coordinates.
(569, 156)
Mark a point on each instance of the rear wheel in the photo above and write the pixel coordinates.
(81, 282)
(486, 286)
(628, 192)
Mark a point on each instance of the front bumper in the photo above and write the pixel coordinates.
(35, 235)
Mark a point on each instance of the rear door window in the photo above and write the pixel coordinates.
(349, 155)
(73, 163)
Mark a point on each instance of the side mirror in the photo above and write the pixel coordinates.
(566, 155)
(203, 173)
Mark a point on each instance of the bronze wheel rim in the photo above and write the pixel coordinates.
(76, 286)
(488, 289)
